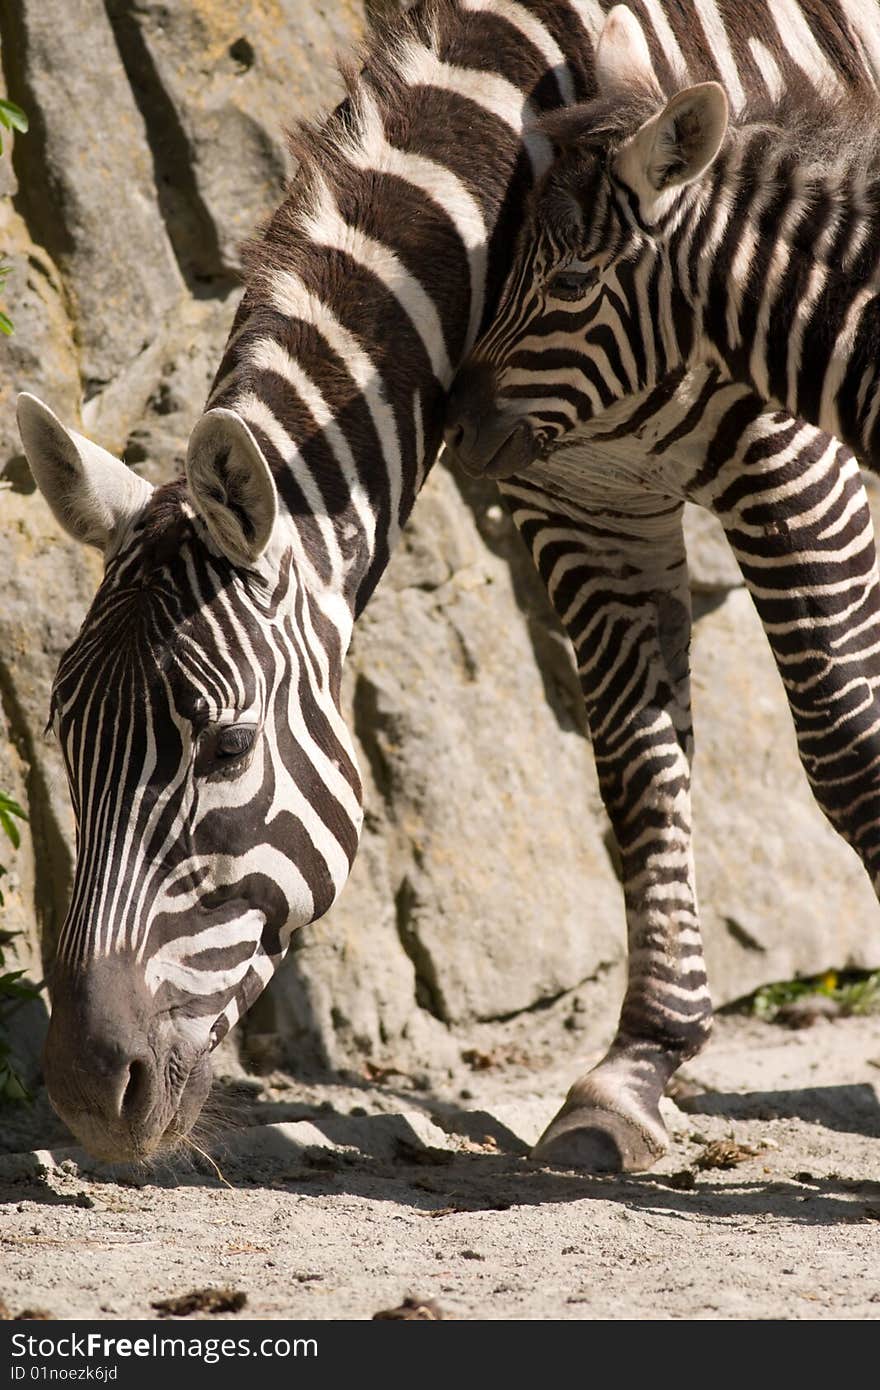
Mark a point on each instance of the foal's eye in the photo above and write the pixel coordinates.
(571, 284)
(234, 741)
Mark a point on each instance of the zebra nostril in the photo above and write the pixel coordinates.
(136, 1096)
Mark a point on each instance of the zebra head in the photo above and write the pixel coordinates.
(592, 310)
(197, 715)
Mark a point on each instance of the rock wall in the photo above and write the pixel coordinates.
(485, 887)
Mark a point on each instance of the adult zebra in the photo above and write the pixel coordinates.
(213, 780)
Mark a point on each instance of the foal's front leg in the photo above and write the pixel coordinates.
(619, 584)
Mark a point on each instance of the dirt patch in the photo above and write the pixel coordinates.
(345, 1200)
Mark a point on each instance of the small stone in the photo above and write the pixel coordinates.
(683, 1181)
(412, 1309)
(724, 1153)
(803, 1013)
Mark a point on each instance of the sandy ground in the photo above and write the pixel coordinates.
(344, 1199)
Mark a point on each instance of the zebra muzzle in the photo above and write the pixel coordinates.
(494, 448)
(128, 1082)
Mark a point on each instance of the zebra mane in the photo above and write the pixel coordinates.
(166, 523)
(827, 130)
(595, 125)
(323, 149)
(814, 129)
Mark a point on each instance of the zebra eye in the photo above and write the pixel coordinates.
(225, 751)
(571, 284)
(234, 741)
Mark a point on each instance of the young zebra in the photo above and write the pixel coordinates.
(665, 238)
(669, 278)
(217, 802)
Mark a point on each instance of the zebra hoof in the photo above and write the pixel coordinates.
(599, 1141)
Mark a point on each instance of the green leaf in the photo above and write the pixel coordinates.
(12, 1089)
(8, 824)
(6, 325)
(8, 809)
(12, 988)
(12, 116)
(7, 803)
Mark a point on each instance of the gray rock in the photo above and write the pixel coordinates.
(85, 174)
(145, 414)
(41, 354)
(47, 583)
(484, 887)
(711, 562)
(216, 87)
(780, 893)
(485, 789)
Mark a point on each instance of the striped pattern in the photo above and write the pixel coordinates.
(613, 348)
(213, 779)
(260, 836)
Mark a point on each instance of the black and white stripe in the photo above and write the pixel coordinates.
(617, 380)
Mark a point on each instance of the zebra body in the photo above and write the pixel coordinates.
(213, 780)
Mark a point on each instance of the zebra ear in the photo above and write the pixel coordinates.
(676, 146)
(92, 494)
(623, 59)
(231, 485)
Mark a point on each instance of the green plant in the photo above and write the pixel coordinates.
(8, 810)
(13, 989)
(12, 986)
(11, 118)
(857, 992)
(5, 321)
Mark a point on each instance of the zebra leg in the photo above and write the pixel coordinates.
(792, 503)
(618, 580)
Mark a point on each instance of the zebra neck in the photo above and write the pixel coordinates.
(370, 283)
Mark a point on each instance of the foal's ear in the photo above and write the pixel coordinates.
(676, 146)
(93, 495)
(623, 59)
(231, 485)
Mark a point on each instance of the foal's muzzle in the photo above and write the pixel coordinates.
(485, 435)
